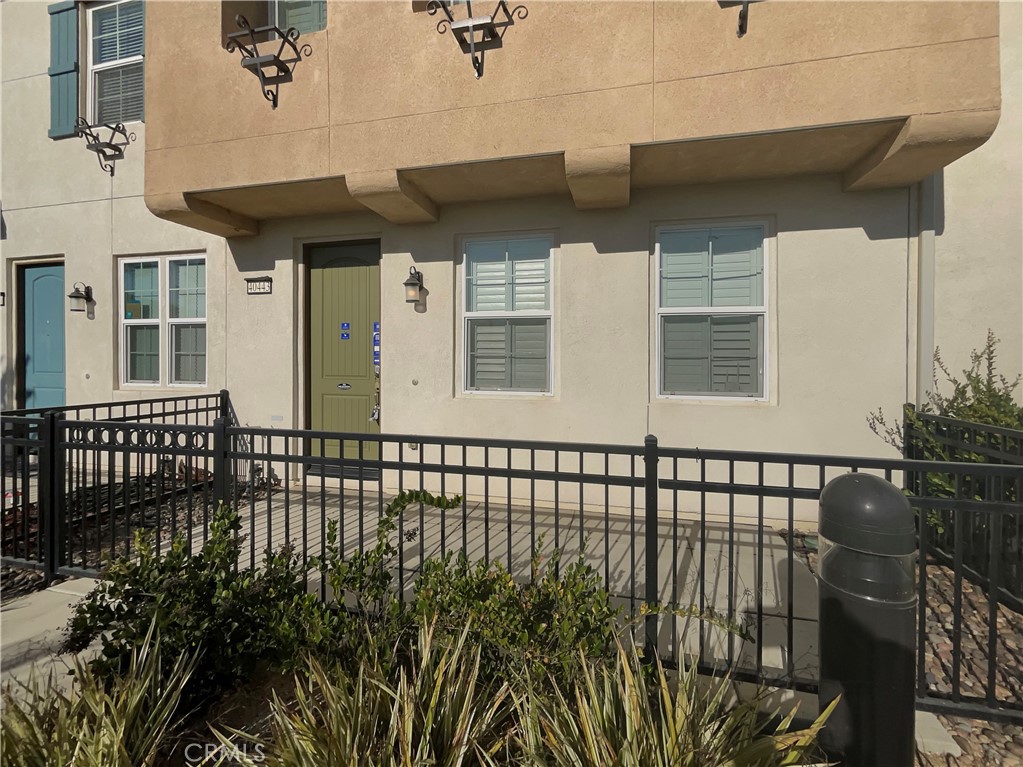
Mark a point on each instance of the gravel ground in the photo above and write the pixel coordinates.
(17, 582)
(984, 744)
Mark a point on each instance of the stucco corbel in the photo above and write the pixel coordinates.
(182, 208)
(391, 195)
(599, 177)
(925, 144)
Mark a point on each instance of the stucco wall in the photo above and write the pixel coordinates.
(382, 91)
(59, 205)
(979, 243)
(838, 306)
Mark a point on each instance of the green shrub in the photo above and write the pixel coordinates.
(99, 722)
(540, 625)
(619, 714)
(234, 617)
(982, 396)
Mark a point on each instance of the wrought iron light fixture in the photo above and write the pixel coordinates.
(108, 151)
(80, 297)
(476, 35)
(413, 285)
(743, 13)
(274, 68)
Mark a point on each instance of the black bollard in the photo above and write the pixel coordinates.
(867, 621)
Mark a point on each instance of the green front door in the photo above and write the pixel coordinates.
(344, 306)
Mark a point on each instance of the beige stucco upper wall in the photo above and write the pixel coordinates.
(383, 90)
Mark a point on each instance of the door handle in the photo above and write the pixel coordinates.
(344, 386)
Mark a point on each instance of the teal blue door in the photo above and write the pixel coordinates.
(42, 340)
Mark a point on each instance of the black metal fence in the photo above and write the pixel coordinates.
(982, 546)
(33, 480)
(709, 535)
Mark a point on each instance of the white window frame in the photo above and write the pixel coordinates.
(763, 310)
(91, 107)
(164, 322)
(467, 315)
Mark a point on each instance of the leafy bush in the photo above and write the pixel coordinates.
(437, 712)
(99, 722)
(983, 396)
(234, 617)
(619, 714)
(540, 625)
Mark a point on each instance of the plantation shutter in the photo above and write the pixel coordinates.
(488, 277)
(685, 344)
(735, 350)
(685, 269)
(711, 354)
(528, 364)
(304, 15)
(488, 354)
(63, 69)
(529, 263)
(737, 267)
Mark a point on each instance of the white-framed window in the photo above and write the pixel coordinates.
(507, 315)
(115, 90)
(711, 311)
(304, 15)
(163, 321)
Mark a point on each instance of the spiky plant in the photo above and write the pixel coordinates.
(436, 713)
(621, 715)
(123, 723)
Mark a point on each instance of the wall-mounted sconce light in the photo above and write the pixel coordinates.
(272, 69)
(413, 285)
(743, 13)
(108, 151)
(80, 297)
(476, 34)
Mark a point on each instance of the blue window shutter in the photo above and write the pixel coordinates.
(63, 69)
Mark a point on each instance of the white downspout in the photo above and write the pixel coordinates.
(925, 289)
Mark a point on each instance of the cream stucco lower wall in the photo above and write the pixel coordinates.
(838, 287)
(979, 229)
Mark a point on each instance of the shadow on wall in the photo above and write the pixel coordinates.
(806, 205)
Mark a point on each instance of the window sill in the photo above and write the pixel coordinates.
(507, 395)
(164, 388)
(704, 399)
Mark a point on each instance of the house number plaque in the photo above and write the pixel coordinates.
(259, 286)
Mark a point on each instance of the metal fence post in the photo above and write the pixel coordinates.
(225, 405)
(652, 581)
(867, 621)
(50, 494)
(220, 484)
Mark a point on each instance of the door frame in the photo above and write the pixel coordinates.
(18, 340)
(304, 353)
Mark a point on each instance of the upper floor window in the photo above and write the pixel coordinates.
(507, 330)
(711, 311)
(163, 321)
(116, 33)
(304, 15)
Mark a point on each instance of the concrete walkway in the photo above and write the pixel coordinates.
(31, 629)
